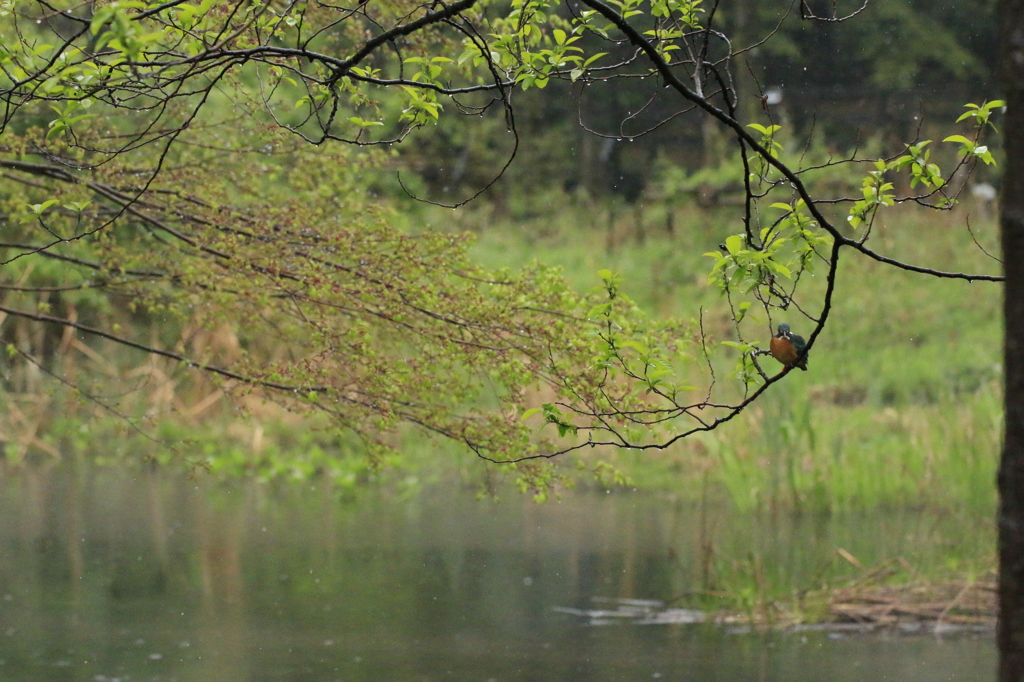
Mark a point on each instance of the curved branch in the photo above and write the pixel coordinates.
(970, 277)
(188, 362)
(671, 79)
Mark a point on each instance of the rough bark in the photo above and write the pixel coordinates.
(1010, 634)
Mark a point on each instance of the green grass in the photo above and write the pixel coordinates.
(901, 406)
(902, 403)
(886, 448)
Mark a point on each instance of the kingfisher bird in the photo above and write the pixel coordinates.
(786, 348)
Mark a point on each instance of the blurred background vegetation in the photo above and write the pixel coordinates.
(901, 405)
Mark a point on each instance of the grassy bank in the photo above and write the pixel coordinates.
(901, 405)
(860, 490)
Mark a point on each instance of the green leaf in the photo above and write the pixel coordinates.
(77, 206)
(734, 244)
(39, 208)
(780, 269)
(362, 123)
(639, 347)
(744, 347)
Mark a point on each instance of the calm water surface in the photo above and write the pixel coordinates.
(107, 575)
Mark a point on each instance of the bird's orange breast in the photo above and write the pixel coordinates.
(783, 350)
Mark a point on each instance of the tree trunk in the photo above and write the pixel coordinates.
(1010, 633)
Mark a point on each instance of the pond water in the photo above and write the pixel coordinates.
(110, 575)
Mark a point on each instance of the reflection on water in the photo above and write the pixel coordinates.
(109, 575)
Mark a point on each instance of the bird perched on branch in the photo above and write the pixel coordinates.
(787, 347)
